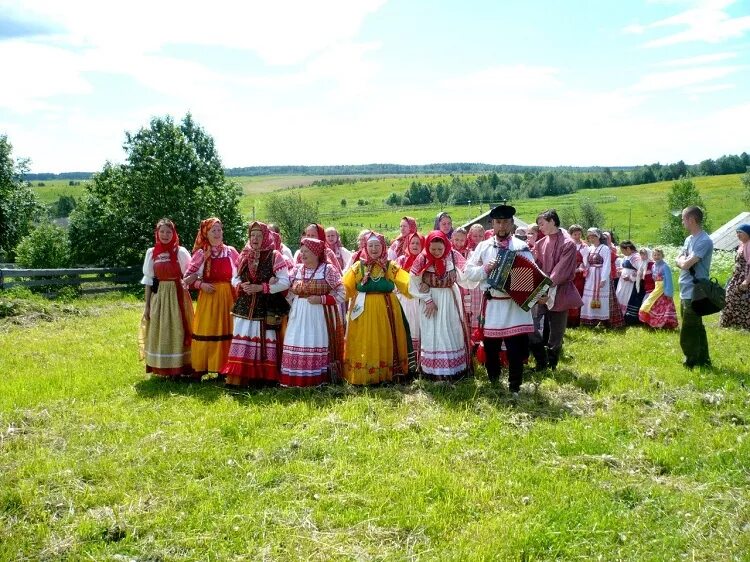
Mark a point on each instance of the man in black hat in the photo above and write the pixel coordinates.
(504, 320)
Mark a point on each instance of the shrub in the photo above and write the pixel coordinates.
(47, 247)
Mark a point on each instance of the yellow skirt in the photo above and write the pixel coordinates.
(368, 351)
(212, 329)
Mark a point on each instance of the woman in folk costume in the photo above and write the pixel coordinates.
(460, 243)
(314, 338)
(595, 309)
(378, 345)
(582, 263)
(642, 288)
(616, 317)
(333, 239)
(210, 271)
(473, 302)
(169, 309)
(361, 246)
(259, 312)
(658, 310)
(736, 313)
(317, 231)
(412, 248)
(407, 226)
(627, 273)
(444, 352)
(444, 223)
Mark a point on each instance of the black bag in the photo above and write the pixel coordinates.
(155, 286)
(708, 296)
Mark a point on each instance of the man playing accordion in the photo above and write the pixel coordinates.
(505, 262)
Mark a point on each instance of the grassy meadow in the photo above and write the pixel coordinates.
(636, 211)
(621, 454)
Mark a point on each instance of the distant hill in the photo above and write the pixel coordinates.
(387, 169)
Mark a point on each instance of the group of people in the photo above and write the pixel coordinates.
(424, 305)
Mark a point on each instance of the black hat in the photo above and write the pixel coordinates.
(503, 212)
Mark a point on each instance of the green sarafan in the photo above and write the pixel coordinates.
(620, 454)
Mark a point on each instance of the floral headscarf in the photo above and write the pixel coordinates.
(427, 259)
(249, 254)
(201, 239)
(370, 261)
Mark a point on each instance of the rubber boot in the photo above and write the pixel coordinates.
(539, 351)
(554, 357)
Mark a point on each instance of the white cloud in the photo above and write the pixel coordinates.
(707, 22)
(677, 79)
(700, 59)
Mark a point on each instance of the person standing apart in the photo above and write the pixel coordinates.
(736, 313)
(169, 309)
(695, 263)
(210, 271)
(504, 320)
(556, 257)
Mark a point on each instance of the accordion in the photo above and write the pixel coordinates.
(519, 277)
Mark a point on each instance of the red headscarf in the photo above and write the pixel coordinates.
(321, 232)
(316, 246)
(401, 239)
(201, 239)
(276, 237)
(170, 247)
(409, 261)
(430, 260)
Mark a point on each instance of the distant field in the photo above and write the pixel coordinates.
(632, 211)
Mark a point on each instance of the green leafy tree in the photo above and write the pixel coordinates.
(19, 208)
(746, 185)
(587, 214)
(292, 214)
(47, 247)
(683, 194)
(171, 170)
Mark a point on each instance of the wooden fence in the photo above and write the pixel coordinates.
(88, 280)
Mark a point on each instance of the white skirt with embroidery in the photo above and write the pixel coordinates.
(443, 350)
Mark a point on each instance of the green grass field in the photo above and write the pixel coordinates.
(636, 212)
(621, 454)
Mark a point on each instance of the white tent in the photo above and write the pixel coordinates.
(725, 238)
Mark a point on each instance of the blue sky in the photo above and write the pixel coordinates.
(402, 81)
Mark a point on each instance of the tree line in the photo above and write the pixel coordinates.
(495, 186)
